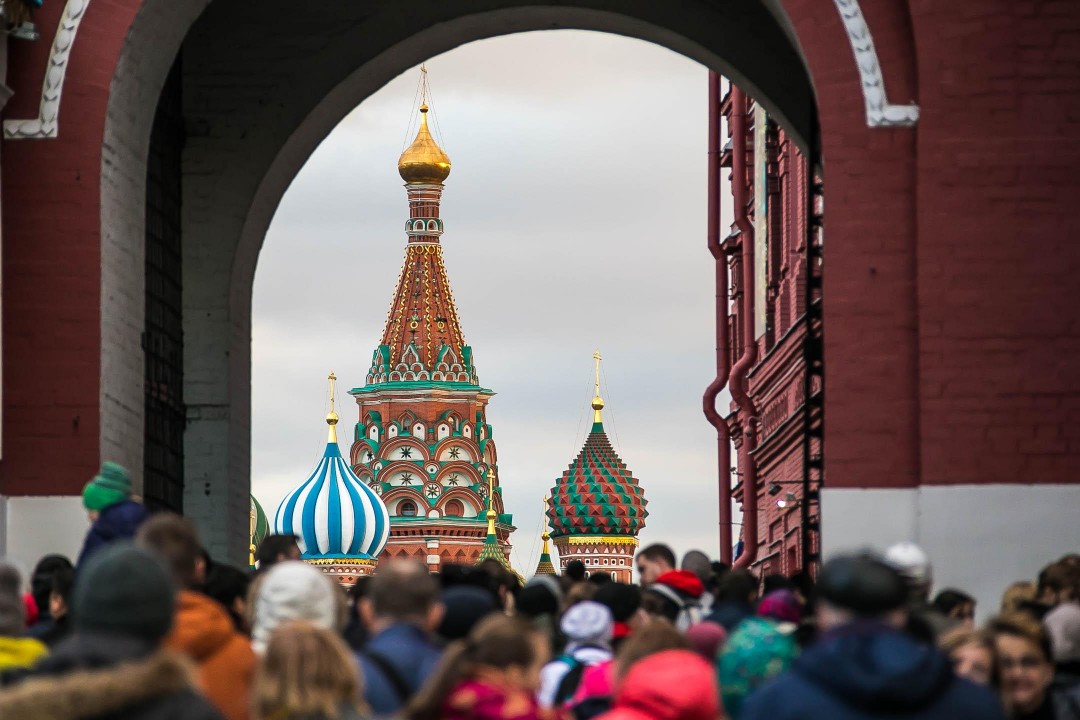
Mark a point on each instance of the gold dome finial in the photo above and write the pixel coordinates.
(424, 162)
(491, 501)
(597, 401)
(332, 417)
(546, 536)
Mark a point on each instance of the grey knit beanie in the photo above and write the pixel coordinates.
(124, 590)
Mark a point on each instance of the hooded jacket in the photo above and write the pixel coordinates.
(116, 522)
(670, 685)
(868, 671)
(204, 632)
(90, 677)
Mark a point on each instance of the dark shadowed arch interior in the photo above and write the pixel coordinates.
(259, 86)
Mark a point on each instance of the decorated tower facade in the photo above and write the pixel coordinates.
(423, 442)
(341, 523)
(597, 507)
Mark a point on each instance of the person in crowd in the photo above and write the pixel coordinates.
(307, 673)
(492, 675)
(1017, 596)
(1026, 671)
(781, 606)
(668, 685)
(578, 592)
(355, 632)
(595, 693)
(276, 548)
(957, 606)
(600, 577)
(202, 629)
(463, 607)
(16, 650)
(680, 592)
(758, 650)
(58, 605)
(1057, 583)
(401, 611)
(925, 622)
(293, 590)
(698, 563)
(41, 587)
(539, 601)
(113, 665)
(228, 585)
(1063, 626)
(574, 573)
(735, 598)
(971, 653)
(587, 627)
(652, 562)
(775, 581)
(864, 667)
(114, 514)
(506, 583)
(707, 639)
(624, 602)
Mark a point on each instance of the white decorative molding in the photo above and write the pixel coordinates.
(46, 124)
(879, 111)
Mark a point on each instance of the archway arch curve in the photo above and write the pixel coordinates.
(235, 179)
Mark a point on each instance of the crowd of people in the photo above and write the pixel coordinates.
(146, 625)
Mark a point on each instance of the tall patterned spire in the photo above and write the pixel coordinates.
(491, 550)
(423, 341)
(545, 566)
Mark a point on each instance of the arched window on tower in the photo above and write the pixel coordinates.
(407, 508)
(455, 508)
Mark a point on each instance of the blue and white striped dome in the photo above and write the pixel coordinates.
(334, 513)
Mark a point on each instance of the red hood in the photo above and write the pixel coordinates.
(671, 685)
(682, 581)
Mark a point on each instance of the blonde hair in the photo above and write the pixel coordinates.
(306, 670)
(1017, 593)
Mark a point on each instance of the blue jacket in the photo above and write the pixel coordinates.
(115, 522)
(866, 672)
(406, 648)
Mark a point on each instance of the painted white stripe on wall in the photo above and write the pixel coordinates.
(34, 526)
(980, 538)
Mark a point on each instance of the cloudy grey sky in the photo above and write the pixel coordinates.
(575, 219)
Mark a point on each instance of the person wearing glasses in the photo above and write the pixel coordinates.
(1026, 672)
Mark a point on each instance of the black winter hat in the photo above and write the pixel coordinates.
(124, 590)
(466, 605)
(862, 584)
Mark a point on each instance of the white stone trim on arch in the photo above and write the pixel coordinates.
(47, 123)
(879, 111)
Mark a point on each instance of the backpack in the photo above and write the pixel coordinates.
(570, 681)
(689, 610)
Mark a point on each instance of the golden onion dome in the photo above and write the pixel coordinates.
(424, 162)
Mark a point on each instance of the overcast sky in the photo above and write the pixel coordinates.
(575, 219)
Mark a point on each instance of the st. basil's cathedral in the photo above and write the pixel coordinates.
(422, 478)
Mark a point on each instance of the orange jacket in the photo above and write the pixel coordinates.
(203, 631)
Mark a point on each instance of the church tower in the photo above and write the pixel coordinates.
(423, 442)
(597, 507)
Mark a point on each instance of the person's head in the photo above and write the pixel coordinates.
(294, 590)
(63, 580)
(306, 671)
(1024, 664)
(913, 564)
(42, 577)
(781, 606)
(402, 591)
(277, 548)
(650, 639)
(755, 652)
(1017, 595)
(501, 648)
(707, 638)
(956, 605)
(971, 653)
(575, 570)
(654, 561)
(698, 563)
(464, 607)
(579, 592)
(624, 602)
(111, 486)
(229, 586)
(12, 609)
(125, 590)
(1057, 584)
(587, 623)
(852, 587)
(542, 595)
(737, 586)
(599, 577)
(504, 581)
(1063, 627)
(175, 539)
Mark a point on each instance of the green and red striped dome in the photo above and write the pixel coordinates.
(597, 494)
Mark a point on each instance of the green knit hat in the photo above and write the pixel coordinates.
(110, 486)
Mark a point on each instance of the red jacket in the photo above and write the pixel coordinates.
(670, 685)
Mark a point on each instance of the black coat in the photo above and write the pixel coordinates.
(107, 678)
